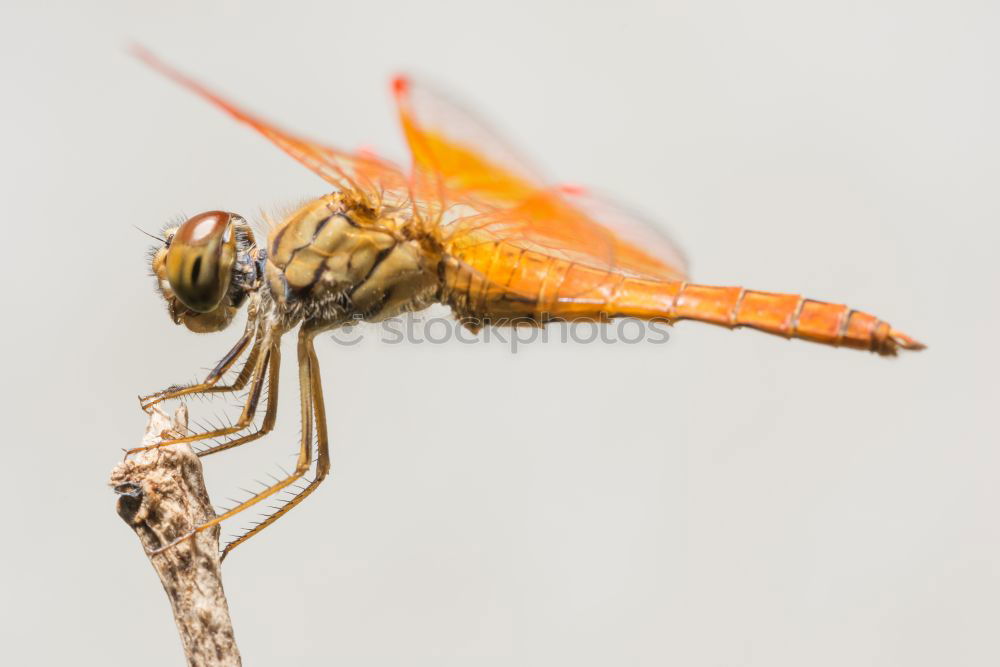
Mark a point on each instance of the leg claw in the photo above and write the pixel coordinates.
(182, 538)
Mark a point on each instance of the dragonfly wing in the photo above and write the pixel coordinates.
(457, 154)
(469, 165)
(366, 174)
(660, 256)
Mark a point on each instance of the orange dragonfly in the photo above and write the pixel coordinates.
(471, 226)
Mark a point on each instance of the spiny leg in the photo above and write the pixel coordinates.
(249, 408)
(270, 413)
(322, 448)
(311, 405)
(209, 385)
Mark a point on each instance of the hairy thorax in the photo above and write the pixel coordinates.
(335, 260)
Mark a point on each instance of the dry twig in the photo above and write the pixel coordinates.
(162, 496)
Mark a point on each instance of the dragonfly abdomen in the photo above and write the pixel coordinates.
(500, 283)
(788, 315)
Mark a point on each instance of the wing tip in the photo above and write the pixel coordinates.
(144, 55)
(572, 189)
(400, 84)
(140, 52)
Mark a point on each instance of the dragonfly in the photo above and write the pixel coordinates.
(470, 225)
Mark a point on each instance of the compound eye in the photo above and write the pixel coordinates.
(200, 260)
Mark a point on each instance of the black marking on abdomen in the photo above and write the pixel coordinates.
(511, 297)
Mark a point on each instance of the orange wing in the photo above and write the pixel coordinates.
(375, 179)
(456, 155)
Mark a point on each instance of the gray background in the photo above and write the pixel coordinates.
(725, 499)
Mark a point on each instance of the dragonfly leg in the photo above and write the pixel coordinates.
(210, 384)
(246, 416)
(270, 413)
(313, 417)
(322, 444)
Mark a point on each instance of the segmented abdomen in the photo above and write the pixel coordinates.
(499, 282)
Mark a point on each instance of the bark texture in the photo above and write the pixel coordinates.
(162, 496)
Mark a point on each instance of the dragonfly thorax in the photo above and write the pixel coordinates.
(335, 259)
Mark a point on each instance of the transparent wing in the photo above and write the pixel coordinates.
(668, 258)
(374, 178)
(468, 165)
(456, 154)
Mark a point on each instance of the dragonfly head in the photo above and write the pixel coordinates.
(194, 269)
